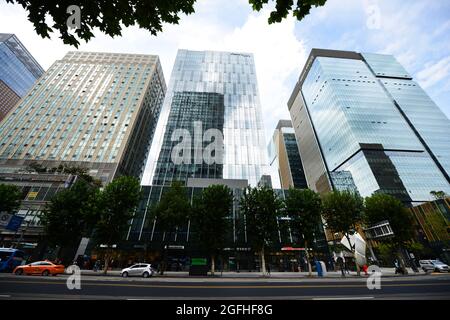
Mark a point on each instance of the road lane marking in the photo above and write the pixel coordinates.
(344, 298)
(230, 287)
(5, 296)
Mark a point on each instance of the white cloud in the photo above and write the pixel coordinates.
(434, 72)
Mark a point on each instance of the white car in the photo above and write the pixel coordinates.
(433, 265)
(141, 270)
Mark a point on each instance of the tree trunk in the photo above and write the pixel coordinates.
(213, 264)
(263, 262)
(307, 259)
(358, 270)
(105, 270)
(401, 260)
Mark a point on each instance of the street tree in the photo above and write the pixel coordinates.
(439, 195)
(116, 206)
(70, 215)
(261, 208)
(382, 207)
(171, 213)
(110, 16)
(210, 219)
(304, 207)
(10, 197)
(343, 212)
(283, 7)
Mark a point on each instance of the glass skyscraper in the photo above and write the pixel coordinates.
(284, 157)
(92, 110)
(18, 72)
(363, 117)
(218, 89)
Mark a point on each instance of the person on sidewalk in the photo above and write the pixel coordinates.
(365, 268)
(340, 263)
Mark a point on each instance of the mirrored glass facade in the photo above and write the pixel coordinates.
(18, 72)
(372, 120)
(221, 78)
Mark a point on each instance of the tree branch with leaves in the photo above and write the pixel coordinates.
(343, 212)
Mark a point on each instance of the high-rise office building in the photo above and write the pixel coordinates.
(211, 90)
(285, 158)
(94, 110)
(361, 120)
(18, 72)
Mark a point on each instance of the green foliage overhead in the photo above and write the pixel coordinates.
(343, 211)
(304, 207)
(10, 197)
(71, 213)
(210, 217)
(107, 15)
(174, 208)
(117, 204)
(282, 8)
(380, 207)
(110, 16)
(261, 207)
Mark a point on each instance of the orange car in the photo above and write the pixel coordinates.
(44, 268)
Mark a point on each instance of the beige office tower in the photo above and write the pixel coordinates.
(92, 110)
(285, 158)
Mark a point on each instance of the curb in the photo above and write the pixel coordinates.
(259, 277)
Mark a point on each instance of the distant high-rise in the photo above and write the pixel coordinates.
(94, 110)
(361, 121)
(18, 72)
(212, 90)
(285, 158)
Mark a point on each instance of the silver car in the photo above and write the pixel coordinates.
(433, 265)
(140, 270)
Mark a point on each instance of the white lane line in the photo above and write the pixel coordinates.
(345, 298)
(5, 296)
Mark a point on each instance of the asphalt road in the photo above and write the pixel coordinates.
(38, 287)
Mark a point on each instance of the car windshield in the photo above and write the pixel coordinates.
(439, 263)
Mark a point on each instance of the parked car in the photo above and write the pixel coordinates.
(141, 270)
(433, 265)
(44, 268)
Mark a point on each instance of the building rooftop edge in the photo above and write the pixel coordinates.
(315, 52)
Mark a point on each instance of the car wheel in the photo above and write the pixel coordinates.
(45, 273)
(19, 272)
(146, 274)
(125, 274)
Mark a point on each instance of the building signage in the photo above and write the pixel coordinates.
(4, 219)
(15, 223)
(292, 249)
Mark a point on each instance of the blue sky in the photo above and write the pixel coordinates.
(417, 32)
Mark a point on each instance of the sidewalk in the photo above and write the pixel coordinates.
(386, 272)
